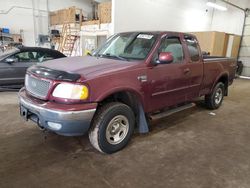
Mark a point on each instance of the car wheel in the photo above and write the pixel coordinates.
(112, 127)
(214, 100)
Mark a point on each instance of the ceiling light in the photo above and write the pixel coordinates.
(216, 6)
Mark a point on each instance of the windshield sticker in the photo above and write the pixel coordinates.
(145, 36)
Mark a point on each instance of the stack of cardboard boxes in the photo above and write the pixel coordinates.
(104, 14)
(219, 43)
(76, 15)
(68, 15)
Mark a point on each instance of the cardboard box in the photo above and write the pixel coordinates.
(213, 42)
(233, 46)
(17, 38)
(68, 15)
(54, 18)
(225, 45)
(104, 12)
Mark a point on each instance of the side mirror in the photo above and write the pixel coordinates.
(165, 58)
(10, 60)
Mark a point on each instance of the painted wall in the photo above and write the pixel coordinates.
(230, 21)
(85, 5)
(178, 15)
(21, 18)
(18, 18)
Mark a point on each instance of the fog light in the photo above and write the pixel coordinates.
(54, 126)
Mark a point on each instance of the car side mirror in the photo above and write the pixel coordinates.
(10, 60)
(165, 58)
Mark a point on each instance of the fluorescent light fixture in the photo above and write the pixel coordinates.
(216, 6)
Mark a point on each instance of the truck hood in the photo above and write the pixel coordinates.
(89, 66)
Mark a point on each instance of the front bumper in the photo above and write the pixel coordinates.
(71, 120)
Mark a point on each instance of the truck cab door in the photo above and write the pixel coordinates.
(168, 83)
(195, 67)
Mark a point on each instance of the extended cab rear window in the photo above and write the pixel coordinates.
(193, 48)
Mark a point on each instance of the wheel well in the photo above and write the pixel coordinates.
(224, 80)
(126, 97)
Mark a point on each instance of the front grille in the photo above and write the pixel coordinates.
(37, 87)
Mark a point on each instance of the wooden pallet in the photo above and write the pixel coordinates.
(92, 22)
(104, 12)
(69, 15)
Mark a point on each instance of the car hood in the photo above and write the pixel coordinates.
(89, 66)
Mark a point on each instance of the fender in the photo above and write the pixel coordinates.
(141, 120)
(121, 89)
(223, 74)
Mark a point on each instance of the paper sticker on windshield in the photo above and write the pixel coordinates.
(145, 36)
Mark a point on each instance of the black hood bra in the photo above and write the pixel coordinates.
(52, 74)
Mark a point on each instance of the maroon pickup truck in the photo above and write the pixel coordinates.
(132, 78)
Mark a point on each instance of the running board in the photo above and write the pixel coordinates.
(172, 111)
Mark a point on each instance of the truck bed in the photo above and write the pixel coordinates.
(208, 57)
(215, 66)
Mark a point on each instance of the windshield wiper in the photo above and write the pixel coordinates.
(112, 56)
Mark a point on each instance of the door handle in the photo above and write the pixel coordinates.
(186, 71)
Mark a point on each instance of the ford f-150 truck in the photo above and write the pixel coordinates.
(132, 78)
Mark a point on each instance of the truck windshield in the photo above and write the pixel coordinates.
(127, 46)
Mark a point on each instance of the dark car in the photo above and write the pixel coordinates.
(13, 63)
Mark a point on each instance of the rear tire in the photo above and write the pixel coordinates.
(214, 100)
(112, 127)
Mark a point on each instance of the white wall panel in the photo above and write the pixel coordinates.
(246, 41)
(247, 30)
(18, 19)
(246, 71)
(178, 15)
(245, 51)
(247, 21)
(230, 21)
(245, 60)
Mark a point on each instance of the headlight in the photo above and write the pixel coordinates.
(71, 91)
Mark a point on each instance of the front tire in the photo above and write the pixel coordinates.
(214, 100)
(112, 127)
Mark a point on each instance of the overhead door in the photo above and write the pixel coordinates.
(245, 49)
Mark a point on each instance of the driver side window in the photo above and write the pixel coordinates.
(173, 45)
(26, 57)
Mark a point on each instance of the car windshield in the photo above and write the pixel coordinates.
(7, 53)
(127, 46)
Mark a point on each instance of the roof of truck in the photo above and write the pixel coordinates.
(159, 32)
(162, 33)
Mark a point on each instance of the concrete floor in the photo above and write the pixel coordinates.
(190, 149)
